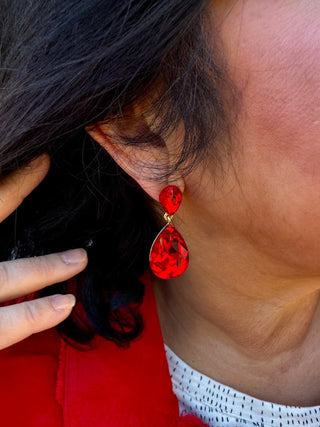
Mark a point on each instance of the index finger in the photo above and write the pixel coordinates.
(16, 186)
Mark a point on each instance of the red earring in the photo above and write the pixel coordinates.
(169, 254)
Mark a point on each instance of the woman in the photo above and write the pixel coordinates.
(219, 99)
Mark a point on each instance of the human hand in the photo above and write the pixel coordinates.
(24, 276)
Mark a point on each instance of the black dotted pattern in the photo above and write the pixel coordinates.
(220, 406)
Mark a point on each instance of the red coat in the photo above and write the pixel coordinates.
(46, 382)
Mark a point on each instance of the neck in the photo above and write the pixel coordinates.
(254, 331)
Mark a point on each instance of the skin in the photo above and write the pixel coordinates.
(246, 312)
(23, 276)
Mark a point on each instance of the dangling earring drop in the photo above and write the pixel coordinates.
(169, 254)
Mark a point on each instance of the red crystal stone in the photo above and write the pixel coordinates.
(170, 199)
(169, 255)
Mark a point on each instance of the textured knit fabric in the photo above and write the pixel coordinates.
(222, 406)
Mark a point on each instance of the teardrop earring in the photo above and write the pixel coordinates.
(169, 254)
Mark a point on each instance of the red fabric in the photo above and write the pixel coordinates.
(47, 382)
(28, 376)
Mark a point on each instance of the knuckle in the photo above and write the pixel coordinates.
(4, 274)
(2, 329)
(41, 266)
(32, 314)
(6, 334)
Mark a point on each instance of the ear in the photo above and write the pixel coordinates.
(147, 164)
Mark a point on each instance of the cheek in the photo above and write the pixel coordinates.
(279, 132)
(281, 113)
(275, 62)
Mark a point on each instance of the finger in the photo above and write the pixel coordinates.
(16, 186)
(23, 276)
(22, 320)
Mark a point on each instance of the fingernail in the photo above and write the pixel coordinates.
(74, 256)
(63, 302)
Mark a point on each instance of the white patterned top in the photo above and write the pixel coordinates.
(221, 406)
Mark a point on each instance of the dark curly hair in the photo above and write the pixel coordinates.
(67, 64)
